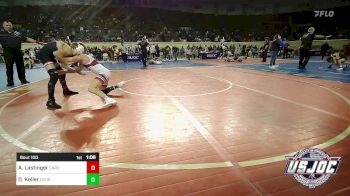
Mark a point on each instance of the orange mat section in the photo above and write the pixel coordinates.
(182, 116)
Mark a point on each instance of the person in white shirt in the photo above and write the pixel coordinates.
(32, 54)
(99, 84)
(105, 56)
(152, 50)
(124, 52)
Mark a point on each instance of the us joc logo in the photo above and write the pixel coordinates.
(312, 167)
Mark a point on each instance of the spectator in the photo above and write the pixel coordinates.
(188, 52)
(238, 51)
(157, 50)
(105, 56)
(182, 52)
(274, 50)
(175, 52)
(166, 52)
(143, 45)
(153, 51)
(32, 54)
(124, 52)
(285, 49)
(324, 49)
(28, 62)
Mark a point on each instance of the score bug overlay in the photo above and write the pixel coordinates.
(57, 169)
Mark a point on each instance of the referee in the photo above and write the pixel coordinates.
(305, 48)
(143, 45)
(11, 42)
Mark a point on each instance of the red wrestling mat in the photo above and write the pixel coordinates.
(178, 131)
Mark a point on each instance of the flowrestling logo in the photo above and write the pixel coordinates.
(312, 167)
(324, 13)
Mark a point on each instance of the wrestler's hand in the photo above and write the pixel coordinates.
(71, 70)
(81, 73)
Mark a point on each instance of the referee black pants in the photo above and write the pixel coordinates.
(264, 56)
(12, 56)
(124, 57)
(144, 59)
(304, 57)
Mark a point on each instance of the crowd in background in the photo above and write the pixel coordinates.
(95, 24)
(167, 52)
(99, 24)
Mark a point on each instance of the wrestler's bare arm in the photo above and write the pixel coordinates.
(76, 59)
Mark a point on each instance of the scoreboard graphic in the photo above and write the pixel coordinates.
(57, 169)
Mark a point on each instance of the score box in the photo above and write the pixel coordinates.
(93, 170)
(57, 169)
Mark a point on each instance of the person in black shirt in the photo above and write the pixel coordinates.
(265, 49)
(143, 44)
(11, 42)
(324, 49)
(157, 51)
(305, 48)
(52, 56)
(175, 52)
(124, 52)
(286, 49)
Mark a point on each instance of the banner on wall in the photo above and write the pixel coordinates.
(134, 57)
(209, 55)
